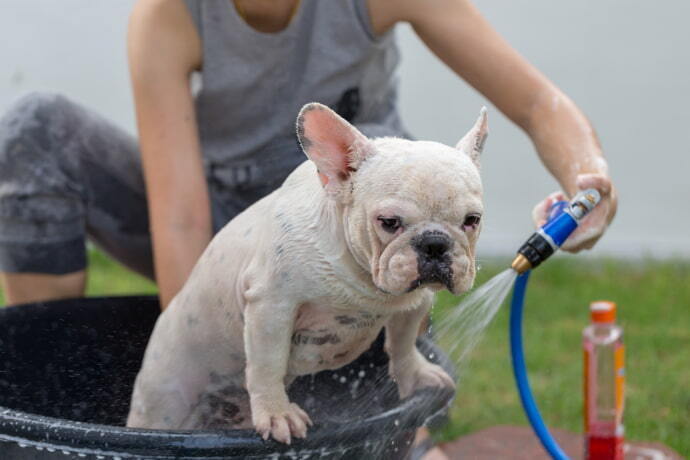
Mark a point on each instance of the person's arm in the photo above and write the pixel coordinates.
(164, 49)
(565, 140)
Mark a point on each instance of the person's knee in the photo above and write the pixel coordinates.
(38, 120)
(33, 132)
(42, 106)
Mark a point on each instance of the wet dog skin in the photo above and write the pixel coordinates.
(355, 240)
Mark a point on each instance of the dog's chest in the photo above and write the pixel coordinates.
(328, 338)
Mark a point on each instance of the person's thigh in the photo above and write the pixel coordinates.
(66, 172)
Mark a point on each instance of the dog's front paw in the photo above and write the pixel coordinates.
(281, 420)
(420, 374)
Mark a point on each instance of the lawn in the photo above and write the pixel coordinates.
(654, 309)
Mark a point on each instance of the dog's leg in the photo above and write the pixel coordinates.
(267, 332)
(223, 404)
(409, 369)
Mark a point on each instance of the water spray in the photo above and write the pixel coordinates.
(564, 218)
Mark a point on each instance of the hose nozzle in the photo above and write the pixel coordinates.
(564, 217)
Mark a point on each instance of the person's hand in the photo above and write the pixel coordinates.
(592, 226)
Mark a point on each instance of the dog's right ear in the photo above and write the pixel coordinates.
(334, 145)
(472, 143)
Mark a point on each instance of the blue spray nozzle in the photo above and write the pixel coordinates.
(557, 209)
(564, 217)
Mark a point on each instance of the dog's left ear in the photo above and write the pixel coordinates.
(334, 145)
(473, 142)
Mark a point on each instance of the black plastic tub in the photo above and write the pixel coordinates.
(67, 369)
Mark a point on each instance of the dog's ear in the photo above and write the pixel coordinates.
(334, 145)
(473, 142)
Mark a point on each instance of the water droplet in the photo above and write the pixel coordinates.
(361, 374)
(343, 379)
(396, 422)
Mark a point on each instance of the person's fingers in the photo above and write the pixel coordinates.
(540, 212)
(590, 230)
(585, 240)
(599, 181)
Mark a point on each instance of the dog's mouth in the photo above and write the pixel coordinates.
(433, 272)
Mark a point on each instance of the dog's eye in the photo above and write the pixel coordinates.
(471, 220)
(390, 224)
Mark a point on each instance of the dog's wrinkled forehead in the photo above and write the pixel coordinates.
(428, 172)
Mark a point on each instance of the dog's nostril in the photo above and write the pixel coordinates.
(434, 246)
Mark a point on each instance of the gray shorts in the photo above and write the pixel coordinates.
(67, 173)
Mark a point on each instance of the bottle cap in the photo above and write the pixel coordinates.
(602, 311)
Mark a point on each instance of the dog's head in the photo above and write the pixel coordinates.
(412, 210)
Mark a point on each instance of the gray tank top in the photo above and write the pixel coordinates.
(253, 83)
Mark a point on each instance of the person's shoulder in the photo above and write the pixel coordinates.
(158, 10)
(164, 29)
(386, 13)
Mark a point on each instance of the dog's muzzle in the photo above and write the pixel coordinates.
(433, 259)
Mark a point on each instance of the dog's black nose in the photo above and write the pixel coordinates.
(433, 245)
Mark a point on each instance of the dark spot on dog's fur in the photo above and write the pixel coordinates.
(303, 139)
(479, 143)
(192, 320)
(306, 143)
(219, 405)
(341, 355)
(344, 319)
(365, 320)
(286, 227)
(300, 338)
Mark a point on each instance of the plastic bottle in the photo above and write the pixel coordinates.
(604, 381)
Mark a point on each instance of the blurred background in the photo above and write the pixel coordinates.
(625, 63)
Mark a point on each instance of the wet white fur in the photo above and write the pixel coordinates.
(300, 250)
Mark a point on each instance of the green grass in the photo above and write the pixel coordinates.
(107, 277)
(654, 308)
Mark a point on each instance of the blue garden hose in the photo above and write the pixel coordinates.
(563, 220)
(520, 371)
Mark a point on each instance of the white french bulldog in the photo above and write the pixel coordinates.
(355, 240)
